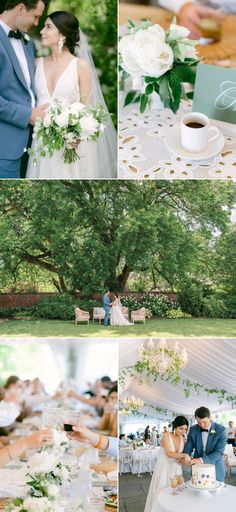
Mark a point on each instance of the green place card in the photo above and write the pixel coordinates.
(215, 92)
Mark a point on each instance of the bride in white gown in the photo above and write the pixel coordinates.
(63, 76)
(167, 465)
(117, 315)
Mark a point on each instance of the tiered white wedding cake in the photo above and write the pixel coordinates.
(203, 476)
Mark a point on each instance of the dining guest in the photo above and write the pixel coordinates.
(191, 13)
(122, 441)
(110, 417)
(83, 434)
(231, 432)
(36, 440)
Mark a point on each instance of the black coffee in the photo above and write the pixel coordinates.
(193, 124)
(68, 427)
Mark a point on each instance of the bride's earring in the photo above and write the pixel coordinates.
(61, 42)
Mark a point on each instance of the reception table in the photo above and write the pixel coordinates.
(222, 499)
(135, 458)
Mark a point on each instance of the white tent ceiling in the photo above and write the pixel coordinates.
(211, 362)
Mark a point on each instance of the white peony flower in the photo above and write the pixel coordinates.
(77, 107)
(62, 119)
(47, 120)
(89, 124)
(38, 505)
(146, 53)
(177, 32)
(42, 463)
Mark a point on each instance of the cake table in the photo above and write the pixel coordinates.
(194, 501)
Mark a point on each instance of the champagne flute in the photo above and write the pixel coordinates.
(174, 485)
(180, 482)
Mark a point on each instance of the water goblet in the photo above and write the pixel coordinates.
(174, 485)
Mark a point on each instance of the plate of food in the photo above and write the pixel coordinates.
(111, 498)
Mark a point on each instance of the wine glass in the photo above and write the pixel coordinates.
(180, 482)
(174, 485)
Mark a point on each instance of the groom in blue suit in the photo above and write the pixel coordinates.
(17, 90)
(208, 440)
(106, 306)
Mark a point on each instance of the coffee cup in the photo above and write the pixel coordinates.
(196, 132)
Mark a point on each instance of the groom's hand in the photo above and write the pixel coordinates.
(38, 112)
(196, 461)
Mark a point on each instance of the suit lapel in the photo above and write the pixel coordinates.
(30, 62)
(12, 55)
(199, 442)
(209, 439)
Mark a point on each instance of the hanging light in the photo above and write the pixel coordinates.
(132, 404)
(162, 359)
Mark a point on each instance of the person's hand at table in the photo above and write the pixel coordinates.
(39, 439)
(185, 460)
(196, 461)
(191, 15)
(83, 434)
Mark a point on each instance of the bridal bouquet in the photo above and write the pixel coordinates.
(159, 62)
(63, 126)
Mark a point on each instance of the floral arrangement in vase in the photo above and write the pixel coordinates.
(159, 62)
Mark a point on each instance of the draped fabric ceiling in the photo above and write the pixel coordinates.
(211, 362)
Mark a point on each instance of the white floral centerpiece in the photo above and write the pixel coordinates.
(33, 505)
(45, 474)
(159, 62)
(63, 126)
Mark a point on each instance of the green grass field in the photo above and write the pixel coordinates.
(199, 327)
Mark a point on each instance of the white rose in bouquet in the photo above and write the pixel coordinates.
(77, 107)
(59, 436)
(47, 120)
(42, 463)
(146, 53)
(183, 47)
(176, 32)
(62, 119)
(89, 124)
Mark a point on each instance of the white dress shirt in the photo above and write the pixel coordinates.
(8, 413)
(17, 46)
(175, 5)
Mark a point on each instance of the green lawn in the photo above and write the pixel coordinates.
(202, 327)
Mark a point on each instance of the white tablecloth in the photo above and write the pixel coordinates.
(221, 500)
(143, 154)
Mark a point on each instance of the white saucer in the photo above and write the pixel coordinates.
(172, 142)
(208, 489)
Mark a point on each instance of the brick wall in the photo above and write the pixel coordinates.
(17, 300)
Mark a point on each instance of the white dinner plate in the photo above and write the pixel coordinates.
(208, 489)
(173, 143)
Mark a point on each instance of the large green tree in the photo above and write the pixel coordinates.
(87, 235)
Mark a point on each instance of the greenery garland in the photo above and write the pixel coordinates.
(142, 372)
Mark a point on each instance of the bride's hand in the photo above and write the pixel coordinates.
(185, 458)
(74, 145)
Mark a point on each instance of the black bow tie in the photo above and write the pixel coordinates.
(204, 430)
(16, 34)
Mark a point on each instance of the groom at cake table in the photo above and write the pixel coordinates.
(208, 440)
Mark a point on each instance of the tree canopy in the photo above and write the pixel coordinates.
(88, 235)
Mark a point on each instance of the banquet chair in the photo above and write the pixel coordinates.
(230, 458)
(142, 462)
(125, 311)
(98, 314)
(81, 316)
(139, 315)
(125, 461)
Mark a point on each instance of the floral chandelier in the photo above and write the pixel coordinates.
(132, 404)
(161, 360)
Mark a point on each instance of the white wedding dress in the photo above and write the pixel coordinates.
(165, 469)
(117, 315)
(66, 91)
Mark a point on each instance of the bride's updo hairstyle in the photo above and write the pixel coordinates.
(179, 421)
(68, 26)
